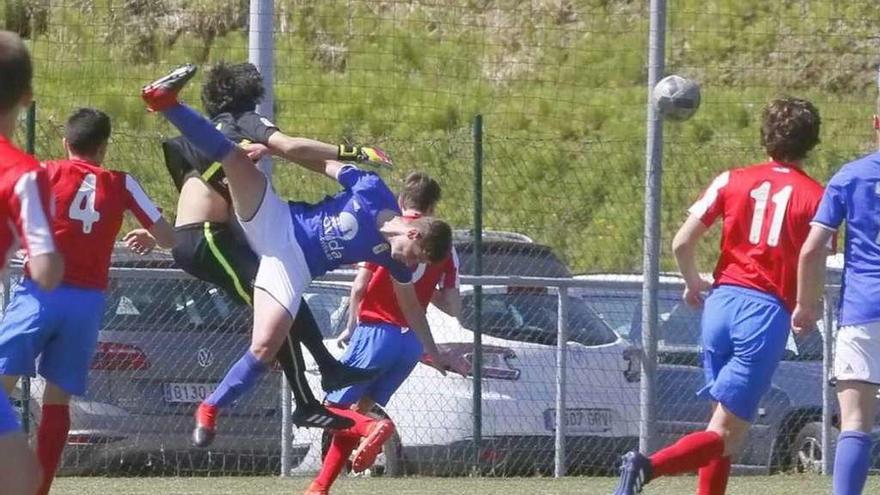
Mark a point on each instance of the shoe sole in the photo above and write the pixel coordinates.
(174, 80)
(208, 437)
(367, 453)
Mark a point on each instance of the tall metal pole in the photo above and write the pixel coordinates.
(651, 266)
(561, 372)
(478, 292)
(827, 397)
(261, 51)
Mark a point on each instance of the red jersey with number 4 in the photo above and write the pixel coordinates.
(24, 204)
(766, 209)
(380, 302)
(90, 203)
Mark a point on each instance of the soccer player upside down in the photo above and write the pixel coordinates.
(297, 241)
(380, 339)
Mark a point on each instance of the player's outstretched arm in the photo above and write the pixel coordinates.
(312, 154)
(811, 278)
(358, 290)
(684, 246)
(448, 300)
(415, 316)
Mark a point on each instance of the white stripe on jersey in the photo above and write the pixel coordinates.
(141, 199)
(455, 265)
(702, 206)
(34, 222)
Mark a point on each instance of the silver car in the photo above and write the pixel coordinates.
(166, 341)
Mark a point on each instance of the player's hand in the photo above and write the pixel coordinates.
(370, 155)
(803, 319)
(140, 241)
(343, 339)
(693, 295)
(256, 151)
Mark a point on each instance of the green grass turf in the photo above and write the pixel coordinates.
(748, 485)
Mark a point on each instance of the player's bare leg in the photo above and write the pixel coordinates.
(19, 471)
(858, 408)
(246, 183)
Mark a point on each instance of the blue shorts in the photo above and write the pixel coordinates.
(60, 327)
(744, 336)
(382, 346)
(8, 418)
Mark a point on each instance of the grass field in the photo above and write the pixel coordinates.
(752, 485)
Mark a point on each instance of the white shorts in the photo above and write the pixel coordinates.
(857, 353)
(283, 272)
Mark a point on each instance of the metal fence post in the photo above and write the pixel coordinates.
(651, 266)
(261, 47)
(31, 148)
(827, 393)
(261, 53)
(478, 292)
(561, 367)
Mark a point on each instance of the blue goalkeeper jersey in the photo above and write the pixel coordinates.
(342, 229)
(853, 195)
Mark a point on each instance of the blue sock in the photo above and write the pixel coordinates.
(199, 131)
(239, 379)
(851, 462)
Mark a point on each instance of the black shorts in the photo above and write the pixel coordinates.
(219, 254)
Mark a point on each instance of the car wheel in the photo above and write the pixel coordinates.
(806, 451)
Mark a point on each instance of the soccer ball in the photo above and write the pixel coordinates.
(676, 97)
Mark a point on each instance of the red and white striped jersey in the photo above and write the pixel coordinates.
(24, 204)
(90, 203)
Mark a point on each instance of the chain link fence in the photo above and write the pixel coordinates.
(560, 88)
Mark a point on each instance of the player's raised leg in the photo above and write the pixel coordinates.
(247, 184)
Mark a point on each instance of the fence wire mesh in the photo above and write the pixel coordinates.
(560, 86)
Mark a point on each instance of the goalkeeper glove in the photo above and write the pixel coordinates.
(371, 155)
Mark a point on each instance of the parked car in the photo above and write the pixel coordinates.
(164, 345)
(787, 437)
(434, 414)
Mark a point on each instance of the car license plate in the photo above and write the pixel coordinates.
(187, 392)
(581, 420)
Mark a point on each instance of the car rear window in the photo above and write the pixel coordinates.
(172, 306)
(512, 259)
(531, 317)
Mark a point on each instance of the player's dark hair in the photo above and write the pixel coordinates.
(16, 70)
(420, 192)
(233, 88)
(436, 237)
(87, 129)
(790, 128)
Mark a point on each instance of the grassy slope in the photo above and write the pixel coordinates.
(560, 84)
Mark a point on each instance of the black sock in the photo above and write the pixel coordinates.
(306, 330)
(291, 360)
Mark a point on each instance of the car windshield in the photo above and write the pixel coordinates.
(532, 317)
(512, 259)
(679, 324)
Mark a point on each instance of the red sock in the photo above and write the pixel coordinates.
(341, 447)
(362, 422)
(688, 454)
(713, 477)
(51, 438)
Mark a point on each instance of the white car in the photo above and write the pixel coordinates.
(434, 413)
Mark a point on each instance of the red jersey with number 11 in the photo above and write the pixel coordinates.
(90, 203)
(766, 210)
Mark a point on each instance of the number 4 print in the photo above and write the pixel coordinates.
(780, 202)
(83, 206)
